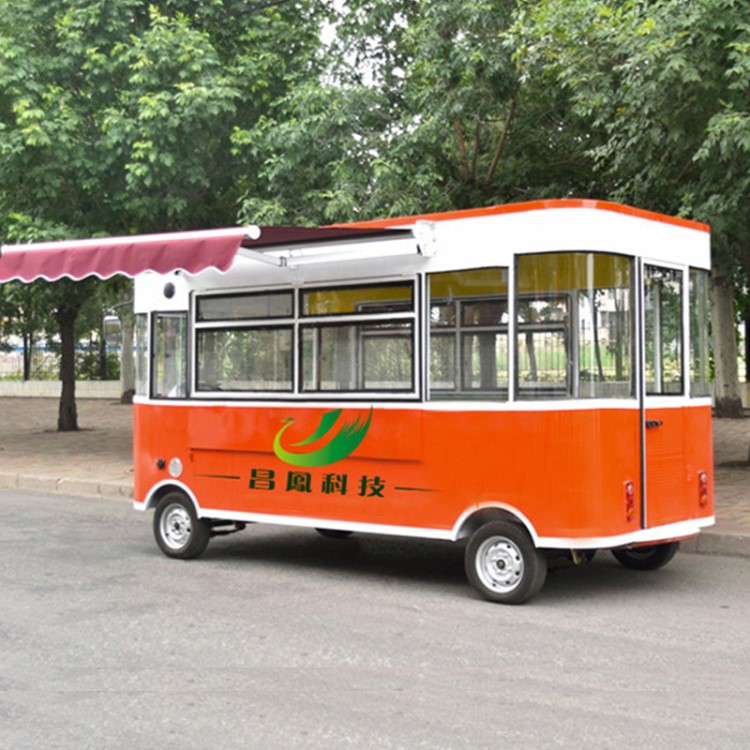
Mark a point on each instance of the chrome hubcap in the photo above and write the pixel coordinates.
(176, 527)
(499, 564)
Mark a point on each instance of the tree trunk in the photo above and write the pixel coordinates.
(27, 353)
(67, 419)
(727, 400)
(127, 365)
(102, 353)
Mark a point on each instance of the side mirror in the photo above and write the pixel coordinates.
(112, 330)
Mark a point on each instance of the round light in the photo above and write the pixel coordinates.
(175, 467)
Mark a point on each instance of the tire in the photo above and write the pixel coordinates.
(503, 564)
(334, 533)
(178, 530)
(646, 558)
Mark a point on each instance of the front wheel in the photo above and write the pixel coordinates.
(178, 530)
(503, 564)
(650, 557)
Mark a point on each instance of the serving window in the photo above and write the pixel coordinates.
(345, 339)
(358, 357)
(244, 359)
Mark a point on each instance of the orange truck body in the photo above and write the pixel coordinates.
(581, 456)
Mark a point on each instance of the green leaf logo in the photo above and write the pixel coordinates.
(341, 444)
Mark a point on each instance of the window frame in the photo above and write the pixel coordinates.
(699, 334)
(566, 327)
(274, 325)
(238, 295)
(154, 354)
(658, 390)
(299, 323)
(571, 329)
(458, 331)
(143, 342)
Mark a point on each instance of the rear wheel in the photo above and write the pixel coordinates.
(650, 557)
(178, 530)
(503, 564)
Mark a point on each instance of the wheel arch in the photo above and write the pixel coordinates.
(158, 491)
(474, 518)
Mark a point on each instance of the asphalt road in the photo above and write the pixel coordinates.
(279, 638)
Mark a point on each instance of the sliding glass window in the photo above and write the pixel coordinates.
(346, 339)
(469, 334)
(358, 339)
(244, 342)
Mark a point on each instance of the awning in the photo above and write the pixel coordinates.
(163, 253)
(129, 256)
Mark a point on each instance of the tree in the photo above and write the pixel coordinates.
(118, 118)
(36, 305)
(422, 110)
(665, 84)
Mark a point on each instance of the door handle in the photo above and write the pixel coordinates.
(651, 423)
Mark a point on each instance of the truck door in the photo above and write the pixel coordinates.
(663, 395)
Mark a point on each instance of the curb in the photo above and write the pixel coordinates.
(78, 487)
(717, 542)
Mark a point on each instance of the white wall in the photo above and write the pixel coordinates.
(51, 388)
(112, 389)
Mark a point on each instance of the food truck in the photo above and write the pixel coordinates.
(529, 380)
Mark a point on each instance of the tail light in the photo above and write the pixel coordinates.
(703, 488)
(629, 501)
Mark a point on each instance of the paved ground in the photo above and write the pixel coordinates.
(279, 639)
(97, 461)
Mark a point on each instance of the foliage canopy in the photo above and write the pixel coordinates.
(136, 116)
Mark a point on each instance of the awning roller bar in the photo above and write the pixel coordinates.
(191, 252)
